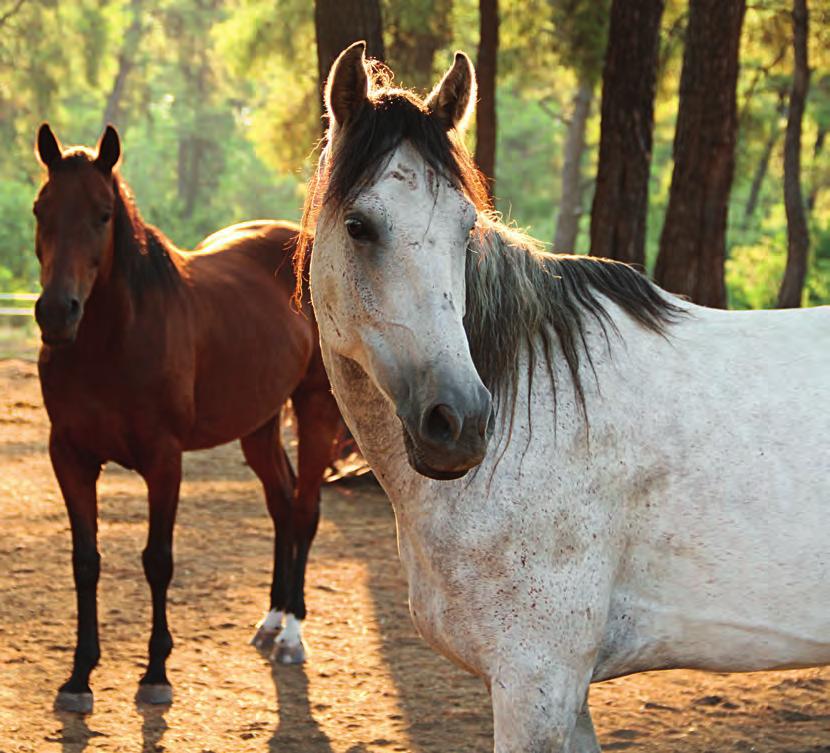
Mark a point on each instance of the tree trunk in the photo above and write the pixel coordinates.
(815, 184)
(798, 238)
(339, 23)
(693, 242)
(486, 69)
(126, 61)
(570, 202)
(763, 163)
(760, 174)
(192, 144)
(416, 35)
(620, 207)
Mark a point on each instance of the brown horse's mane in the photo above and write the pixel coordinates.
(144, 255)
(520, 298)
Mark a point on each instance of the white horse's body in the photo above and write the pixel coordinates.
(684, 524)
(689, 530)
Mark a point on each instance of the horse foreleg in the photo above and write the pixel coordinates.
(318, 424)
(163, 477)
(265, 455)
(584, 738)
(77, 475)
(541, 713)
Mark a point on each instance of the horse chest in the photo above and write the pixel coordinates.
(105, 409)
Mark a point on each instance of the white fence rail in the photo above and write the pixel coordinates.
(19, 298)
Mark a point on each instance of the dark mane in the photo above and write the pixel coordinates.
(391, 117)
(523, 299)
(143, 254)
(519, 298)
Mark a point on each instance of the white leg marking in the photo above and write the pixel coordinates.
(272, 621)
(288, 646)
(267, 629)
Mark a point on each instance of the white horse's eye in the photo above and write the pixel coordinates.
(357, 228)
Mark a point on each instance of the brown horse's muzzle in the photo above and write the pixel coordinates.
(58, 315)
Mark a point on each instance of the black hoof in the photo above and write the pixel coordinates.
(79, 703)
(155, 693)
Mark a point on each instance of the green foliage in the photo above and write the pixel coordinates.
(220, 112)
(580, 32)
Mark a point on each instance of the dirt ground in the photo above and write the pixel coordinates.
(370, 684)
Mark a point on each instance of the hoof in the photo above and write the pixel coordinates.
(288, 654)
(80, 703)
(264, 638)
(157, 694)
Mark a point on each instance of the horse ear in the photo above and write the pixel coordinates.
(347, 87)
(49, 149)
(109, 150)
(452, 101)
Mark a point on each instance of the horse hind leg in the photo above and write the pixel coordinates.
(318, 425)
(265, 455)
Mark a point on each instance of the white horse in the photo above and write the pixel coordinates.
(655, 489)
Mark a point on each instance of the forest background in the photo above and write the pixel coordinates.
(217, 103)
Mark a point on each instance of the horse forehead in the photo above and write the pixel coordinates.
(75, 190)
(408, 169)
(411, 187)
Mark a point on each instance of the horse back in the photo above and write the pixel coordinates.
(269, 243)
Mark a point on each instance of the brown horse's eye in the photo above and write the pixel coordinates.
(105, 217)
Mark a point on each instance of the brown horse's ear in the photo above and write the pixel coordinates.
(49, 149)
(347, 87)
(109, 150)
(452, 101)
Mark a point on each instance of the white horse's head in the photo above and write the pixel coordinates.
(395, 201)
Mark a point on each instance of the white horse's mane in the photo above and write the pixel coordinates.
(520, 297)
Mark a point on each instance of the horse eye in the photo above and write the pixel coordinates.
(105, 217)
(357, 229)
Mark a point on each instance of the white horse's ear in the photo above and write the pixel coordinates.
(347, 87)
(452, 101)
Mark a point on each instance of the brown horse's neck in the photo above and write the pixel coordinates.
(108, 313)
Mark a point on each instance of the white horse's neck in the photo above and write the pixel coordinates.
(679, 473)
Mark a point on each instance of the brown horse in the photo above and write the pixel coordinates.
(148, 352)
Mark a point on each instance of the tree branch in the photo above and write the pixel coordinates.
(15, 8)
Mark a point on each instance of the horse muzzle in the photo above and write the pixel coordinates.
(450, 436)
(58, 316)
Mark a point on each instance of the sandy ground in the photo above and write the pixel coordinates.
(370, 683)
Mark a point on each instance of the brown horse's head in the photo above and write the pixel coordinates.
(74, 235)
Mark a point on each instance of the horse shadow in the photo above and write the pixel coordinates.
(297, 725)
(153, 726)
(75, 734)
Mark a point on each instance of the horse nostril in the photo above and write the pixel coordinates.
(443, 424)
(74, 306)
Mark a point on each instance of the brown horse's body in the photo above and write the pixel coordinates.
(199, 365)
(149, 352)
